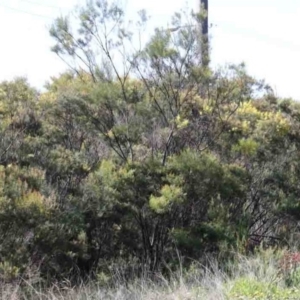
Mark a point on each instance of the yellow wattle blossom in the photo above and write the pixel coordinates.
(247, 108)
(32, 199)
(181, 123)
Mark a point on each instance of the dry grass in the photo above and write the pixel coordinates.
(256, 277)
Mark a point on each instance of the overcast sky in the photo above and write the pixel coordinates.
(261, 33)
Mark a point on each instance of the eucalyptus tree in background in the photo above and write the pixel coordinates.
(160, 113)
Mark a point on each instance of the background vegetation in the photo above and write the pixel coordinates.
(136, 156)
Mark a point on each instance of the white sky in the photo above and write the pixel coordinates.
(261, 33)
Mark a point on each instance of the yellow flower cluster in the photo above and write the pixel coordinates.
(247, 108)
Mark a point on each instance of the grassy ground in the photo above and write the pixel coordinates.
(266, 275)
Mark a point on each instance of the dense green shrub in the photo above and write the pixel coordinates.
(132, 167)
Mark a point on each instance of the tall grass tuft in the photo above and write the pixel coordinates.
(260, 276)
